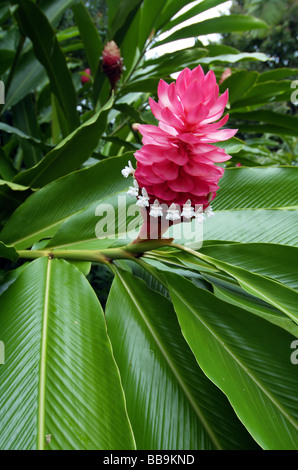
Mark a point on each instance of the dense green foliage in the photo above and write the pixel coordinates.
(158, 346)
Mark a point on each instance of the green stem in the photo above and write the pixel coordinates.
(131, 252)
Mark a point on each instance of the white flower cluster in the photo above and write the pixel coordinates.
(156, 210)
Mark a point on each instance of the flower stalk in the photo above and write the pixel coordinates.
(131, 252)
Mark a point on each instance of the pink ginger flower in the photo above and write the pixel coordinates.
(176, 165)
(177, 161)
(112, 63)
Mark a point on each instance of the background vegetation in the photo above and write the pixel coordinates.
(178, 348)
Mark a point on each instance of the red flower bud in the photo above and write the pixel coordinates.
(86, 77)
(112, 64)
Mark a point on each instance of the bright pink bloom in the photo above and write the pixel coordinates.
(86, 77)
(177, 160)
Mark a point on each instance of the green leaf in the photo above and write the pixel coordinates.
(23, 136)
(80, 231)
(127, 37)
(69, 154)
(89, 34)
(271, 291)
(222, 24)
(150, 11)
(271, 260)
(7, 169)
(258, 187)
(170, 9)
(60, 387)
(231, 146)
(245, 203)
(253, 225)
(238, 84)
(8, 252)
(54, 9)
(280, 120)
(191, 12)
(11, 196)
(36, 26)
(67, 33)
(228, 289)
(163, 65)
(120, 16)
(29, 72)
(264, 92)
(8, 40)
(277, 74)
(159, 373)
(246, 357)
(266, 129)
(147, 85)
(40, 216)
(24, 118)
(27, 75)
(232, 58)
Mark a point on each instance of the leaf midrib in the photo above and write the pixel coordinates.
(59, 221)
(43, 359)
(240, 364)
(174, 370)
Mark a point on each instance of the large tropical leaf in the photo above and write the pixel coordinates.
(60, 387)
(271, 260)
(260, 187)
(247, 357)
(89, 34)
(229, 290)
(278, 295)
(191, 12)
(24, 118)
(28, 71)
(170, 402)
(40, 216)
(222, 24)
(69, 154)
(37, 27)
(253, 225)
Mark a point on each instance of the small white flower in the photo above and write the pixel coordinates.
(209, 212)
(156, 209)
(188, 211)
(199, 215)
(200, 218)
(173, 213)
(143, 201)
(134, 190)
(128, 170)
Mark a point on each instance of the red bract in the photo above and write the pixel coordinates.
(86, 77)
(176, 163)
(112, 64)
